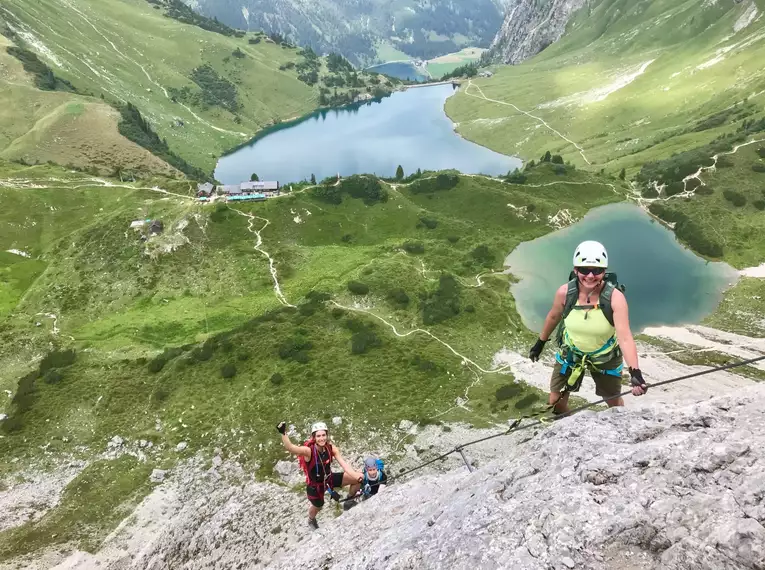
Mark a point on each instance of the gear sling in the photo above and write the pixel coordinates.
(575, 360)
(318, 471)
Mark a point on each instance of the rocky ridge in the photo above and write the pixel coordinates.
(531, 26)
(670, 487)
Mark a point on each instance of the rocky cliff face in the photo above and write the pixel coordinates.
(624, 489)
(530, 26)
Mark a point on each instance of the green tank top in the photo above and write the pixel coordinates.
(587, 330)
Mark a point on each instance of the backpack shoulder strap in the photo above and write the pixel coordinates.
(605, 301)
(572, 296)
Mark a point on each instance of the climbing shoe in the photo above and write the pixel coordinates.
(347, 505)
(313, 524)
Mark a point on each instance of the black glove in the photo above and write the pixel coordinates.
(282, 428)
(636, 379)
(537, 349)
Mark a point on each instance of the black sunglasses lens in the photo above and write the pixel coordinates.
(593, 270)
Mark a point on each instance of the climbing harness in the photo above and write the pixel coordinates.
(572, 358)
(516, 425)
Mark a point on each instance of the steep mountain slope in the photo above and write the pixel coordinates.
(653, 87)
(530, 26)
(63, 127)
(182, 337)
(203, 92)
(419, 28)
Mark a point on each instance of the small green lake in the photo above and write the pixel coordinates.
(408, 128)
(667, 284)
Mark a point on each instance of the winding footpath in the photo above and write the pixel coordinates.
(250, 227)
(539, 119)
(697, 175)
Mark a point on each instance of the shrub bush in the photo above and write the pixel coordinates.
(53, 376)
(759, 204)
(440, 182)
(398, 296)
(156, 364)
(358, 288)
(734, 198)
(443, 303)
(57, 359)
(228, 370)
(413, 247)
(276, 379)
(292, 346)
(483, 255)
(758, 167)
(508, 391)
(429, 223)
(516, 177)
(526, 401)
(704, 190)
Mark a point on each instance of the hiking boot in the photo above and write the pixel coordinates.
(313, 524)
(347, 505)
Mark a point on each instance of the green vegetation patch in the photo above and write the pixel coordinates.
(91, 506)
(215, 89)
(44, 78)
(134, 127)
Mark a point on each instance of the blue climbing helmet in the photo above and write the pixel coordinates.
(373, 463)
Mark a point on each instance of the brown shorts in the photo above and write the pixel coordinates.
(606, 385)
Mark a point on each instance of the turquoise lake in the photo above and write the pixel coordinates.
(408, 128)
(667, 284)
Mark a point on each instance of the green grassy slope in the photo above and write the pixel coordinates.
(128, 51)
(119, 301)
(629, 83)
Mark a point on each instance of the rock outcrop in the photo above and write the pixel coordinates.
(625, 489)
(530, 26)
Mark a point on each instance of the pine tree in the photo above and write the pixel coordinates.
(313, 179)
(399, 173)
(622, 174)
(254, 178)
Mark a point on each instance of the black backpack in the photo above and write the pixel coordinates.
(604, 301)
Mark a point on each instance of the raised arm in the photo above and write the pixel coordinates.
(291, 447)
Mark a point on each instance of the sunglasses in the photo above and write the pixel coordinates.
(587, 270)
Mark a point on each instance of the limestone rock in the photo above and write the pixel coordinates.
(181, 446)
(644, 488)
(678, 488)
(530, 26)
(115, 442)
(289, 472)
(157, 476)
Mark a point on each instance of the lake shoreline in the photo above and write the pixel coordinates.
(408, 129)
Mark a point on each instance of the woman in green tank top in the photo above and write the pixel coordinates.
(595, 333)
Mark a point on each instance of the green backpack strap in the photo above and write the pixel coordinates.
(607, 293)
(572, 296)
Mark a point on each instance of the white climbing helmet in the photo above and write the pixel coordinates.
(319, 426)
(590, 254)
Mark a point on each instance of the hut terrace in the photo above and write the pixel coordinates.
(254, 190)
